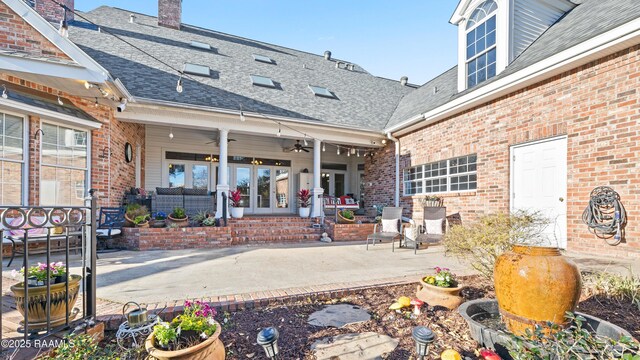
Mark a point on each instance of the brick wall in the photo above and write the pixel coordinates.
(16, 35)
(349, 232)
(110, 174)
(170, 13)
(595, 105)
(174, 239)
(52, 11)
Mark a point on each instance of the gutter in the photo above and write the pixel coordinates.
(397, 156)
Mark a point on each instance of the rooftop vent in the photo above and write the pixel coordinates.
(327, 55)
(195, 69)
(200, 45)
(262, 81)
(322, 91)
(404, 81)
(350, 67)
(264, 59)
(132, 18)
(339, 64)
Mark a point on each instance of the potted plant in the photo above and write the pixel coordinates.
(179, 217)
(440, 289)
(200, 217)
(37, 280)
(210, 221)
(304, 197)
(132, 211)
(158, 220)
(193, 335)
(346, 217)
(237, 211)
(432, 201)
(141, 221)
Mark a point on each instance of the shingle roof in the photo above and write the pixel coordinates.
(585, 21)
(363, 100)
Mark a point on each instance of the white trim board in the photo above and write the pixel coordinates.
(49, 114)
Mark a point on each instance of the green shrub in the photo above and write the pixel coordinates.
(482, 242)
(575, 342)
(140, 219)
(81, 347)
(135, 210)
(210, 221)
(200, 216)
(179, 213)
(347, 214)
(611, 285)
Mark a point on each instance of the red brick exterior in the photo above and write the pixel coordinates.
(174, 239)
(170, 13)
(16, 35)
(52, 11)
(595, 105)
(349, 232)
(110, 174)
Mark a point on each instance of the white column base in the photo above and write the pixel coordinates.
(219, 190)
(316, 202)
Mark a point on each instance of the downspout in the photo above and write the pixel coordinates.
(397, 190)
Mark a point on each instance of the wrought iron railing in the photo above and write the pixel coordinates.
(47, 226)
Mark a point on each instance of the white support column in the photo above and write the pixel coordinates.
(222, 186)
(317, 189)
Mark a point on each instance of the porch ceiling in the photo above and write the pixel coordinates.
(254, 124)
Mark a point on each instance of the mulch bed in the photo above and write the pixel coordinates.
(296, 336)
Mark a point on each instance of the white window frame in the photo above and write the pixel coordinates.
(466, 31)
(446, 176)
(87, 169)
(24, 198)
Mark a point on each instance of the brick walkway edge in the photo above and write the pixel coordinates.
(111, 312)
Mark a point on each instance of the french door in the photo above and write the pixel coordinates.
(264, 189)
(333, 182)
(188, 174)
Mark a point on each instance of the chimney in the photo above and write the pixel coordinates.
(404, 80)
(170, 13)
(327, 55)
(51, 11)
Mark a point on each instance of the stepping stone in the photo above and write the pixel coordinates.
(339, 316)
(364, 346)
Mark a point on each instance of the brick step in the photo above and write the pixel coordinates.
(271, 225)
(284, 231)
(277, 220)
(274, 238)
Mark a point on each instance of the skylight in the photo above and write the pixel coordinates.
(321, 91)
(262, 58)
(197, 69)
(262, 81)
(200, 45)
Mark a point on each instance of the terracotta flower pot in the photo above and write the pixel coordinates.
(157, 223)
(344, 220)
(439, 296)
(37, 302)
(143, 225)
(210, 349)
(535, 285)
(179, 222)
(128, 222)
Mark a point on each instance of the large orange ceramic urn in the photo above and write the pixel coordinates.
(535, 285)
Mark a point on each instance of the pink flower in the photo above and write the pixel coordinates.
(187, 303)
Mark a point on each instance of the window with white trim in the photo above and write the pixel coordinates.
(452, 175)
(11, 159)
(481, 43)
(63, 165)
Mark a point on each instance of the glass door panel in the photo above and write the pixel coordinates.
(338, 184)
(325, 183)
(263, 188)
(176, 175)
(200, 176)
(243, 183)
(282, 188)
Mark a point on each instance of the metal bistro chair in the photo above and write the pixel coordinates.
(379, 235)
(110, 223)
(419, 233)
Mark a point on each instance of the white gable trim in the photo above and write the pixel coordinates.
(51, 33)
(602, 45)
(48, 114)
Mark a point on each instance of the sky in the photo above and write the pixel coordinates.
(389, 38)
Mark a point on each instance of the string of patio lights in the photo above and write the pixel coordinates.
(64, 28)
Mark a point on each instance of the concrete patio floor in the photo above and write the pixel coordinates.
(161, 276)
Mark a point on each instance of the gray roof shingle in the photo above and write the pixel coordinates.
(363, 100)
(585, 21)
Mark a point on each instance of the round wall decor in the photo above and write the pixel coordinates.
(128, 152)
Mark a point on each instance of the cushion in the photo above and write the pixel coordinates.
(169, 191)
(17, 220)
(390, 225)
(105, 232)
(350, 201)
(433, 227)
(195, 191)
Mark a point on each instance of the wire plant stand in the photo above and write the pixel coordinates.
(128, 337)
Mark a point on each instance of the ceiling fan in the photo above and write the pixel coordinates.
(217, 141)
(297, 147)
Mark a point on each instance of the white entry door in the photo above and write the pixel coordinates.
(539, 183)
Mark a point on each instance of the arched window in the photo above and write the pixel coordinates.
(481, 43)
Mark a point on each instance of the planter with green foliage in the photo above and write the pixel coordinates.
(179, 218)
(346, 217)
(133, 211)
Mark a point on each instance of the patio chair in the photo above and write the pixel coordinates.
(381, 233)
(430, 230)
(110, 223)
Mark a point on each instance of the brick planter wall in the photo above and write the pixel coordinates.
(596, 106)
(174, 239)
(349, 232)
